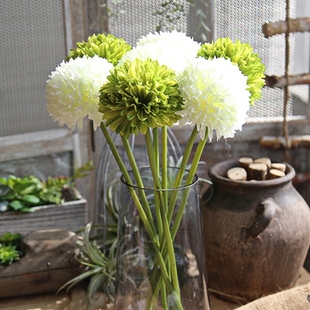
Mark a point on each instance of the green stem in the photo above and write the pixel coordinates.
(164, 220)
(148, 227)
(192, 171)
(152, 161)
(139, 181)
(164, 160)
(126, 175)
(155, 153)
(171, 253)
(186, 156)
(184, 162)
(190, 177)
(155, 175)
(115, 153)
(156, 148)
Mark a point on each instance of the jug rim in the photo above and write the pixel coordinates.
(218, 171)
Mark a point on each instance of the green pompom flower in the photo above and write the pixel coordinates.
(106, 46)
(140, 95)
(241, 54)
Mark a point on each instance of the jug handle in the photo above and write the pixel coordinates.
(209, 192)
(266, 211)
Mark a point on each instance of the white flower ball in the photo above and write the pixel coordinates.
(73, 88)
(215, 97)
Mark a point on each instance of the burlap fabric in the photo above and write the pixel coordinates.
(297, 298)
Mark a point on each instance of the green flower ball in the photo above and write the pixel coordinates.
(140, 95)
(241, 54)
(105, 46)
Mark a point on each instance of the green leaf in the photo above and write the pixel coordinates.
(9, 196)
(31, 189)
(4, 190)
(16, 205)
(31, 199)
(27, 209)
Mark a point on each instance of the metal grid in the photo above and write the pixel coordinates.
(242, 19)
(132, 19)
(32, 41)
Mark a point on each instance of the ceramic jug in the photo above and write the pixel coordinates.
(257, 234)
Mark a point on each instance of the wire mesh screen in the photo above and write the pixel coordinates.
(32, 41)
(242, 19)
(130, 20)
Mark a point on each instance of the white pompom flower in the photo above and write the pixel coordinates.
(215, 97)
(174, 38)
(172, 49)
(72, 90)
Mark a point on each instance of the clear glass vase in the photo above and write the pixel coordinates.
(160, 254)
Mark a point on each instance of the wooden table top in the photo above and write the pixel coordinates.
(75, 300)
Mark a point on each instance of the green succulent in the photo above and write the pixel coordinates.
(9, 238)
(23, 193)
(140, 95)
(242, 55)
(20, 194)
(106, 46)
(8, 254)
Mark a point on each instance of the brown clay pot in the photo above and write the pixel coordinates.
(257, 234)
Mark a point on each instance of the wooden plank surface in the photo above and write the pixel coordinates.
(35, 144)
(76, 300)
(71, 215)
(48, 263)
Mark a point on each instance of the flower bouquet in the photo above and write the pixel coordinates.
(166, 80)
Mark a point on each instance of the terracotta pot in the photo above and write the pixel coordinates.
(257, 234)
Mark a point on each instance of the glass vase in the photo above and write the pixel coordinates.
(160, 254)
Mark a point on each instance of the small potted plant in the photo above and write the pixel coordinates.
(29, 203)
(10, 248)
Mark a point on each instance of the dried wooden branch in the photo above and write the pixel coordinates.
(280, 81)
(280, 143)
(278, 166)
(274, 174)
(237, 174)
(244, 162)
(258, 171)
(263, 160)
(280, 27)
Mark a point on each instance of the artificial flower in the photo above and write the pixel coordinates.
(73, 89)
(172, 49)
(242, 55)
(140, 95)
(175, 38)
(167, 77)
(106, 46)
(215, 97)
